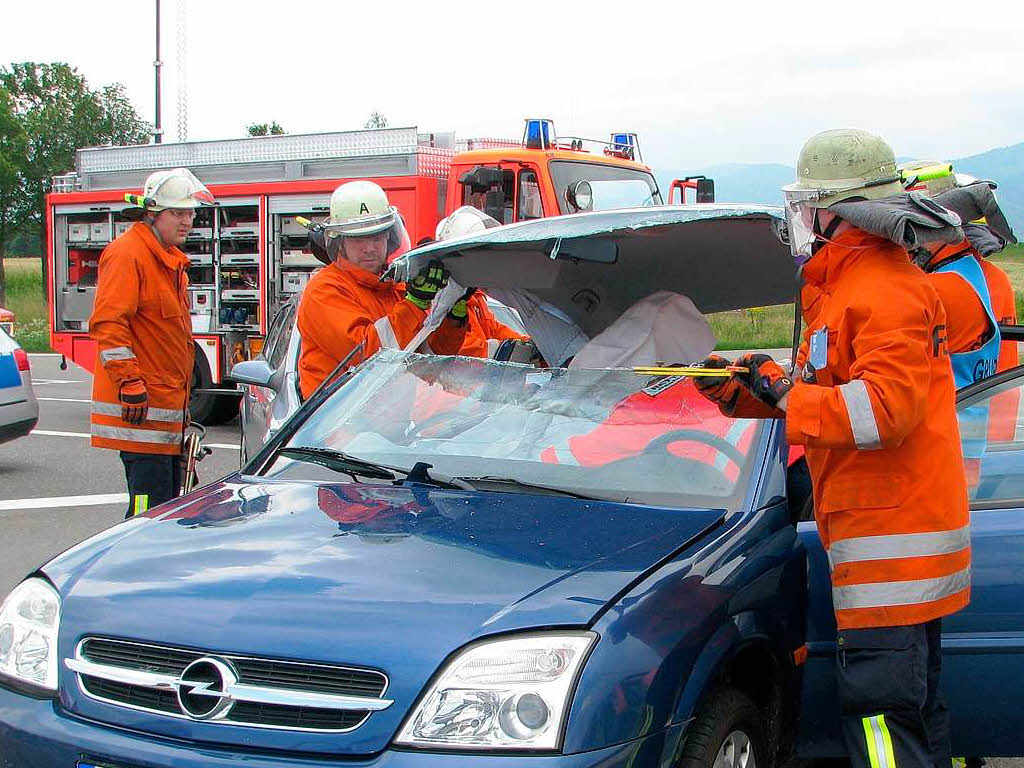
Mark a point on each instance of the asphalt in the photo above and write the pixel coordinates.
(65, 468)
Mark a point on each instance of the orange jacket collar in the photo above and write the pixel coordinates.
(172, 258)
(837, 254)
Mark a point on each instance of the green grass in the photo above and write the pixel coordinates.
(762, 328)
(25, 300)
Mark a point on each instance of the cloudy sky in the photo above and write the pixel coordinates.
(702, 82)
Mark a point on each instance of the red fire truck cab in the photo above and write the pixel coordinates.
(249, 254)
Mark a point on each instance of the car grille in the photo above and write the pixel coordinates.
(114, 667)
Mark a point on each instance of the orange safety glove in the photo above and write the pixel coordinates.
(764, 378)
(134, 401)
(723, 390)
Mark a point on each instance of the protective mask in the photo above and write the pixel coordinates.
(800, 223)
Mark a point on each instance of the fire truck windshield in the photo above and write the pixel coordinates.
(566, 173)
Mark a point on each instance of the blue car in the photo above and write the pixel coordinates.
(444, 561)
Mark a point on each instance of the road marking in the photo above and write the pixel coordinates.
(63, 400)
(56, 433)
(44, 354)
(64, 501)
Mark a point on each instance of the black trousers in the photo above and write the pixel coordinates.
(152, 479)
(893, 713)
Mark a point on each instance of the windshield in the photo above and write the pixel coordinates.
(605, 434)
(565, 173)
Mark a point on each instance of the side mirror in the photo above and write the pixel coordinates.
(256, 372)
(705, 190)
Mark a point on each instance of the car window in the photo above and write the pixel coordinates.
(992, 437)
(529, 204)
(278, 345)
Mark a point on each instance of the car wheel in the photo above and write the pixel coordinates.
(726, 733)
(201, 405)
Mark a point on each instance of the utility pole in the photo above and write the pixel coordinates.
(158, 132)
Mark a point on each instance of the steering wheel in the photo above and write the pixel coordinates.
(445, 424)
(662, 442)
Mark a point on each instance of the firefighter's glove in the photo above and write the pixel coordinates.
(134, 401)
(460, 310)
(722, 390)
(422, 289)
(764, 378)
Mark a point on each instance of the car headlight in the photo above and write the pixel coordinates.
(509, 693)
(29, 620)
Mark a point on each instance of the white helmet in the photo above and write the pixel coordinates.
(360, 208)
(463, 221)
(177, 188)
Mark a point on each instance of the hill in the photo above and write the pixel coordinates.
(761, 182)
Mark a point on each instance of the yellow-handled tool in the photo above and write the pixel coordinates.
(689, 370)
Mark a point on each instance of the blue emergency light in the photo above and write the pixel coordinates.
(539, 133)
(624, 145)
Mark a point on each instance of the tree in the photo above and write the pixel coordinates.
(59, 113)
(13, 200)
(376, 120)
(265, 129)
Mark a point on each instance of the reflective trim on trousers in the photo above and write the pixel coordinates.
(156, 414)
(116, 353)
(862, 418)
(897, 545)
(127, 434)
(879, 742)
(892, 593)
(140, 504)
(386, 333)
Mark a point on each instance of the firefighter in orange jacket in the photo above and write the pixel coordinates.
(484, 334)
(874, 407)
(346, 312)
(140, 323)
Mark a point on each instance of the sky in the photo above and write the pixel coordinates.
(702, 83)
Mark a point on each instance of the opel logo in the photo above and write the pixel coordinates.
(204, 689)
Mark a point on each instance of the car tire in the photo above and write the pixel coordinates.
(201, 405)
(728, 732)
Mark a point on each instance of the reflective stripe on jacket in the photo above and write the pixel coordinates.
(879, 425)
(344, 306)
(140, 323)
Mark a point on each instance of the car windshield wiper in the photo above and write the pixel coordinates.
(516, 483)
(338, 461)
(352, 465)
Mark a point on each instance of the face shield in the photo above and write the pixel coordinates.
(369, 243)
(800, 223)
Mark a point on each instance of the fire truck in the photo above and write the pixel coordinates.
(249, 253)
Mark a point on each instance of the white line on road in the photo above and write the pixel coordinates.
(64, 501)
(63, 400)
(55, 433)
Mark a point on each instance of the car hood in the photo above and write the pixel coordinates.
(394, 578)
(578, 274)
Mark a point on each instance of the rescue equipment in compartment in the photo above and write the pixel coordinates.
(195, 452)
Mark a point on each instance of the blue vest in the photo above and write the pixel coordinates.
(969, 367)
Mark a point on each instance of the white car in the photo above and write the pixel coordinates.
(19, 410)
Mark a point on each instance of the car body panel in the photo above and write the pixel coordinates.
(281, 557)
(19, 410)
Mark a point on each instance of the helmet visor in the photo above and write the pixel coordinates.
(395, 237)
(800, 213)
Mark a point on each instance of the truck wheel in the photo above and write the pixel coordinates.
(202, 405)
(726, 733)
(224, 409)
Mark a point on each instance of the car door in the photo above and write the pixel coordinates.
(257, 402)
(983, 644)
